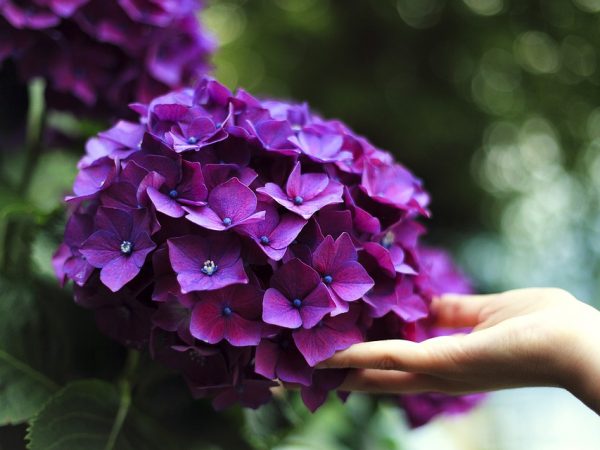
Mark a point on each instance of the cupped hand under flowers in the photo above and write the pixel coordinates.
(244, 241)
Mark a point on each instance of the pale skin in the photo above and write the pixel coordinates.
(524, 337)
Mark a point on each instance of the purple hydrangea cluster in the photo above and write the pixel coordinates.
(245, 241)
(105, 53)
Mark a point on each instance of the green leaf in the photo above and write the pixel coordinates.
(92, 415)
(46, 341)
(23, 388)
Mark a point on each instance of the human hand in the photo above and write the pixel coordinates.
(525, 337)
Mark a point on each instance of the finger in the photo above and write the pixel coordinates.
(393, 354)
(461, 311)
(396, 382)
(443, 354)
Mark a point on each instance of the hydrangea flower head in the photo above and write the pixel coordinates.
(103, 55)
(247, 241)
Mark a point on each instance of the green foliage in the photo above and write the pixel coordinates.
(88, 415)
(24, 387)
(362, 422)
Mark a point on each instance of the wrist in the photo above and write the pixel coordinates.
(582, 369)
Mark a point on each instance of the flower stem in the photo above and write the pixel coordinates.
(36, 118)
(125, 385)
(18, 231)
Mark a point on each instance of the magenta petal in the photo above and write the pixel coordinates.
(324, 381)
(241, 332)
(164, 204)
(274, 134)
(341, 306)
(411, 308)
(278, 310)
(382, 256)
(265, 360)
(207, 322)
(295, 279)
(332, 194)
(313, 184)
(274, 360)
(324, 256)
(232, 200)
(286, 231)
(118, 272)
(276, 193)
(187, 253)
(351, 281)
(292, 368)
(293, 186)
(205, 217)
(116, 221)
(142, 246)
(101, 248)
(192, 187)
(198, 281)
(254, 218)
(320, 343)
(315, 306)
(344, 249)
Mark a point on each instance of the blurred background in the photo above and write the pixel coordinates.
(495, 104)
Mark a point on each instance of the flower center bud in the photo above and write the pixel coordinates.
(126, 247)
(264, 240)
(173, 193)
(227, 311)
(388, 240)
(297, 303)
(227, 221)
(209, 267)
(298, 200)
(192, 140)
(328, 279)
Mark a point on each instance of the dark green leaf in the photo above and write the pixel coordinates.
(23, 388)
(92, 415)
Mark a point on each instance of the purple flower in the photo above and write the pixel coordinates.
(232, 313)
(296, 297)
(230, 264)
(440, 275)
(166, 287)
(229, 204)
(305, 194)
(393, 184)
(68, 260)
(275, 233)
(342, 274)
(206, 263)
(279, 358)
(119, 247)
(329, 335)
(99, 56)
(324, 381)
(422, 408)
(185, 186)
(319, 147)
(248, 392)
